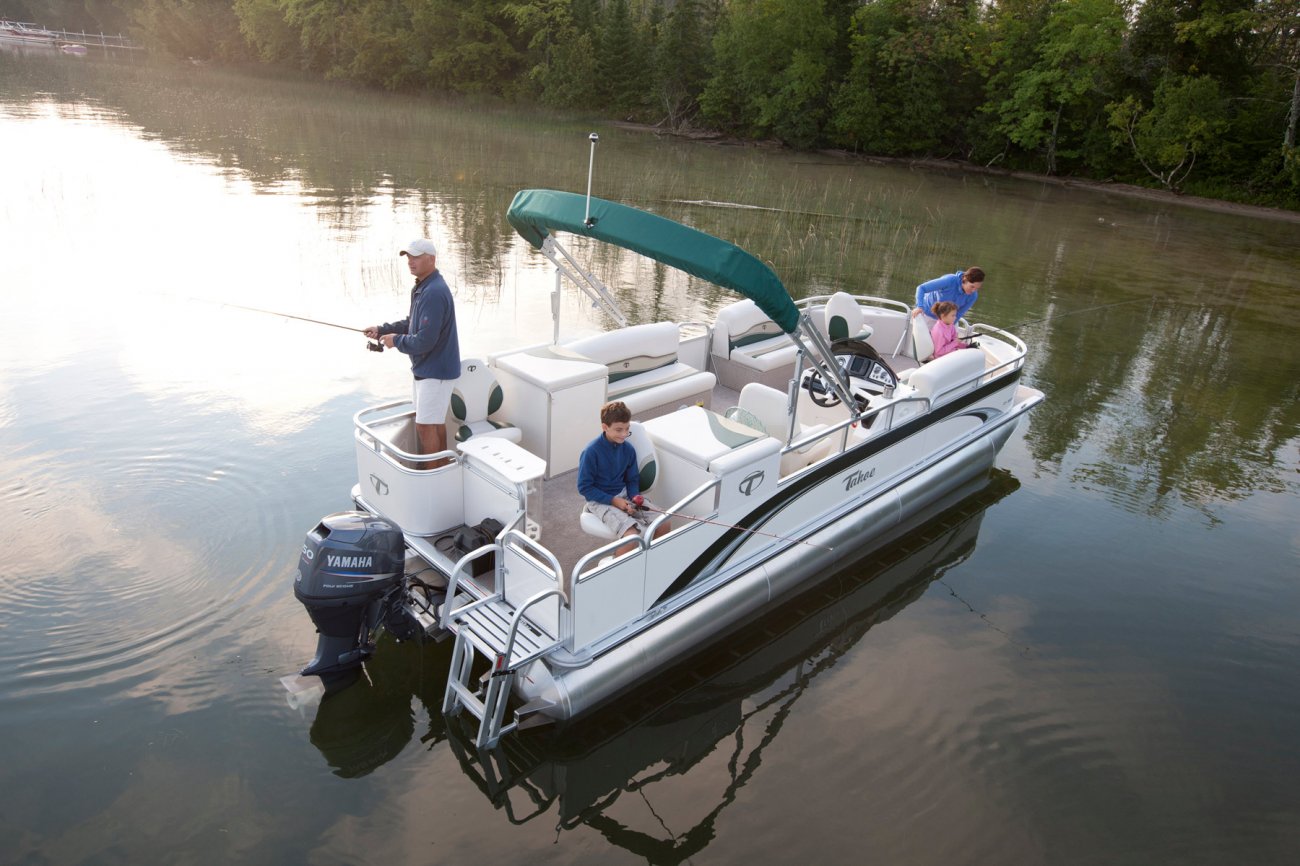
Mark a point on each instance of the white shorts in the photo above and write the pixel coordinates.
(432, 397)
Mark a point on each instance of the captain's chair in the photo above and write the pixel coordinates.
(474, 398)
(647, 465)
(844, 319)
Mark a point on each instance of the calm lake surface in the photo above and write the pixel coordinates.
(1092, 658)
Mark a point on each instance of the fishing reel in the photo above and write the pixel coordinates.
(374, 346)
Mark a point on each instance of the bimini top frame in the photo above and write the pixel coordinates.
(537, 213)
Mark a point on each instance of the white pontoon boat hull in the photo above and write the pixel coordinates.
(701, 619)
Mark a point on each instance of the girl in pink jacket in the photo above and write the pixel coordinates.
(944, 332)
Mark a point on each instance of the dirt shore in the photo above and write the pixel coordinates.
(951, 165)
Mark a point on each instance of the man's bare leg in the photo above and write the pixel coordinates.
(433, 439)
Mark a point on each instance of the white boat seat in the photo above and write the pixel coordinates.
(936, 380)
(644, 371)
(474, 398)
(843, 319)
(749, 347)
(922, 345)
(647, 464)
(771, 408)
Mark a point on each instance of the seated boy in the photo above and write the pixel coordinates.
(609, 480)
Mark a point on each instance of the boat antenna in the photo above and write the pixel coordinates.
(639, 502)
(591, 163)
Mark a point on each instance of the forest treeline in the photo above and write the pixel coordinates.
(1200, 96)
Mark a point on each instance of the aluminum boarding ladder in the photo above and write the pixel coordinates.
(491, 627)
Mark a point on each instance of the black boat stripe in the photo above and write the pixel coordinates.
(718, 552)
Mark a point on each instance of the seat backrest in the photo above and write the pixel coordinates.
(843, 317)
(769, 406)
(921, 326)
(632, 350)
(476, 394)
(937, 379)
(740, 324)
(647, 462)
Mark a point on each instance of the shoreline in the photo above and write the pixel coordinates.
(1127, 190)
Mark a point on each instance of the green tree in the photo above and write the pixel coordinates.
(191, 28)
(1185, 121)
(472, 45)
(560, 55)
(619, 65)
(773, 70)
(683, 60)
(1053, 102)
(911, 87)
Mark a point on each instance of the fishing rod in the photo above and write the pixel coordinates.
(1075, 313)
(639, 502)
(374, 347)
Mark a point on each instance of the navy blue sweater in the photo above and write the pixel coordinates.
(428, 334)
(606, 469)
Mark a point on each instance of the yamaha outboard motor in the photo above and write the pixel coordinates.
(350, 564)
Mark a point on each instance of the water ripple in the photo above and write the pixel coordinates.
(190, 541)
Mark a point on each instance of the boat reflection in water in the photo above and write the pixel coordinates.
(671, 723)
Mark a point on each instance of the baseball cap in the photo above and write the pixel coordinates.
(419, 247)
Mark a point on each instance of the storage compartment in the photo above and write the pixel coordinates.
(555, 400)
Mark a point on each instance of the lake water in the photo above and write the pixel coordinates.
(1092, 658)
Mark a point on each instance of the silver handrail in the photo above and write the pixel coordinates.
(518, 618)
(454, 578)
(640, 539)
(546, 554)
(382, 445)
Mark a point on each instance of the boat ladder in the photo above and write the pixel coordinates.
(500, 633)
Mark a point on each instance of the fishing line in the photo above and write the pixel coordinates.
(374, 347)
(639, 502)
(1076, 313)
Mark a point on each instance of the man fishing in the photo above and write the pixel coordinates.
(428, 335)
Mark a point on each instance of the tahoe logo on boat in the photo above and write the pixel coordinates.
(750, 481)
(349, 561)
(858, 477)
(380, 485)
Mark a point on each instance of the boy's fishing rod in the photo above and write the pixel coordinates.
(1074, 313)
(374, 347)
(639, 502)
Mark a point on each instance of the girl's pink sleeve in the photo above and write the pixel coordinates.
(944, 338)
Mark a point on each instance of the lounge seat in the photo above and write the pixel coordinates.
(936, 380)
(644, 371)
(750, 347)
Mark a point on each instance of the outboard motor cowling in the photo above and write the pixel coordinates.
(350, 562)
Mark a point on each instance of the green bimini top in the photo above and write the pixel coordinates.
(535, 213)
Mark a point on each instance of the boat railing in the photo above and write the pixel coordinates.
(810, 301)
(507, 658)
(461, 567)
(377, 440)
(527, 567)
(607, 594)
(890, 409)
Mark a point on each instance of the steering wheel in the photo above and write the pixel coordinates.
(819, 391)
